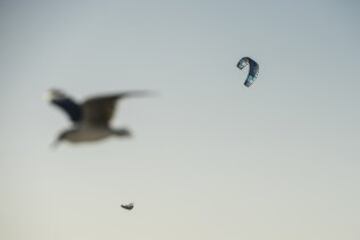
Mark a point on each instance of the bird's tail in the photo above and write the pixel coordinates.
(122, 132)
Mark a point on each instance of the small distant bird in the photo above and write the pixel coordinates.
(91, 119)
(129, 206)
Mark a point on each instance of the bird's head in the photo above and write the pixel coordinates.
(54, 95)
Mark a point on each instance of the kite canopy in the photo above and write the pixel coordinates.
(253, 70)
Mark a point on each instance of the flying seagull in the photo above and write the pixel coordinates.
(91, 118)
(129, 206)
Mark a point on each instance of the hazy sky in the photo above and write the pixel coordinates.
(210, 158)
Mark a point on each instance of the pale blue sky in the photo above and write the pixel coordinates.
(210, 159)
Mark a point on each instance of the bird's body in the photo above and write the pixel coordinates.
(91, 119)
(87, 134)
(129, 206)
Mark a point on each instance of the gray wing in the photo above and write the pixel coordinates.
(98, 111)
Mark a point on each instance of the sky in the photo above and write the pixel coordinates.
(210, 158)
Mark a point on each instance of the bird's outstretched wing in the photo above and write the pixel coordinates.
(98, 111)
(67, 104)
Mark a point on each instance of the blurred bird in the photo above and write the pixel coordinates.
(129, 206)
(91, 119)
